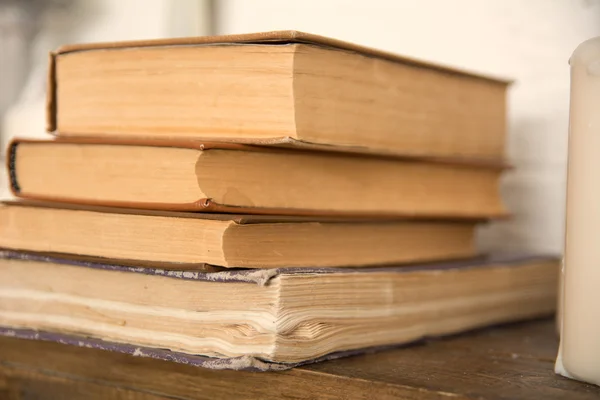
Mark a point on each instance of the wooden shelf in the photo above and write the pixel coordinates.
(510, 362)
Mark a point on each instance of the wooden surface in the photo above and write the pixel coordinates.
(510, 362)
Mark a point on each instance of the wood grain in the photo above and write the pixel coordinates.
(29, 385)
(514, 361)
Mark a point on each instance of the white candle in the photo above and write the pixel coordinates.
(579, 354)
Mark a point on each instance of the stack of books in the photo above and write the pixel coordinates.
(259, 201)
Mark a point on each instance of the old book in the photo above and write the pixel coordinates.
(286, 88)
(233, 178)
(228, 240)
(252, 319)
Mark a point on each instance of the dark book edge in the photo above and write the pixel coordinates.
(263, 276)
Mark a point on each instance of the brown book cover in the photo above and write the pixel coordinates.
(295, 37)
(172, 239)
(204, 205)
(490, 208)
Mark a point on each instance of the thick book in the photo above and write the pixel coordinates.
(228, 240)
(194, 176)
(265, 319)
(277, 88)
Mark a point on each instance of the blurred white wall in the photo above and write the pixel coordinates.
(527, 41)
(95, 21)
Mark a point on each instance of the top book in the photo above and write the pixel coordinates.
(283, 88)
